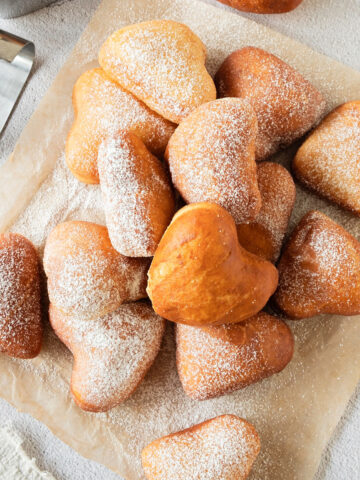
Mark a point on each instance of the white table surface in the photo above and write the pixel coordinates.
(331, 27)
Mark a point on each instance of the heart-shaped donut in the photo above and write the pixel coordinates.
(286, 104)
(319, 270)
(138, 198)
(87, 277)
(264, 235)
(328, 161)
(111, 353)
(20, 306)
(223, 448)
(212, 157)
(102, 108)
(162, 63)
(263, 6)
(213, 361)
(200, 275)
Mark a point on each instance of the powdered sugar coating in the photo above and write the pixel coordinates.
(286, 104)
(264, 236)
(20, 310)
(212, 157)
(319, 271)
(102, 108)
(328, 162)
(86, 276)
(223, 448)
(111, 353)
(138, 199)
(214, 361)
(162, 63)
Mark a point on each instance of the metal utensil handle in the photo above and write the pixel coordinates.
(16, 60)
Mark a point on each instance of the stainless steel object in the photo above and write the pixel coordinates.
(16, 60)
(16, 8)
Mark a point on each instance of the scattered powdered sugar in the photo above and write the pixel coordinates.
(86, 276)
(211, 157)
(223, 448)
(60, 198)
(162, 64)
(329, 161)
(286, 104)
(112, 353)
(20, 312)
(136, 192)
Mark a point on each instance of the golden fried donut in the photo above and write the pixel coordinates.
(264, 235)
(223, 448)
(111, 353)
(20, 307)
(200, 275)
(213, 361)
(162, 63)
(319, 270)
(328, 161)
(137, 193)
(211, 157)
(102, 108)
(87, 277)
(263, 6)
(286, 104)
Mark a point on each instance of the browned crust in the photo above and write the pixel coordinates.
(200, 275)
(259, 347)
(263, 6)
(20, 306)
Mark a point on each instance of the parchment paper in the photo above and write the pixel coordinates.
(295, 411)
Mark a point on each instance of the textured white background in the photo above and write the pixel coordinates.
(330, 27)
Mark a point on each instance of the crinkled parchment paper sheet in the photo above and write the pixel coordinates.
(295, 411)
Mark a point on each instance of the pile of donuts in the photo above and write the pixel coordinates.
(196, 216)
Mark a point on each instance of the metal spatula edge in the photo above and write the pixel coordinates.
(16, 60)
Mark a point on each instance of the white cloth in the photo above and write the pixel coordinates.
(330, 27)
(14, 463)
